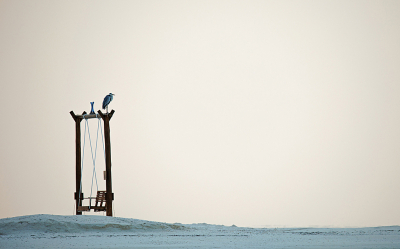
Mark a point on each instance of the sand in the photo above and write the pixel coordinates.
(87, 231)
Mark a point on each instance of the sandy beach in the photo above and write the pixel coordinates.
(56, 231)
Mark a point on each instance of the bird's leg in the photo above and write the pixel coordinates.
(107, 109)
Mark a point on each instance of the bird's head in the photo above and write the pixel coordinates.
(111, 94)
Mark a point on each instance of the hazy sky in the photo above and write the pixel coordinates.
(253, 113)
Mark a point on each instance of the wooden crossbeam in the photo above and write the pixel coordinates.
(89, 116)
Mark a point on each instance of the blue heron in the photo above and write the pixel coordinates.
(107, 100)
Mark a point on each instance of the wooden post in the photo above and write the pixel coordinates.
(109, 194)
(78, 194)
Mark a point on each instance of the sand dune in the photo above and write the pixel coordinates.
(56, 231)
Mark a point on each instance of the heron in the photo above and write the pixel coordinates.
(107, 100)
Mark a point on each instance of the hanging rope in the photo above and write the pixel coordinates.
(94, 165)
(94, 155)
(83, 156)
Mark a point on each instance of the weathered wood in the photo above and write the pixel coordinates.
(102, 196)
(87, 209)
(83, 116)
(73, 115)
(106, 119)
(88, 116)
(103, 115)
(98, 209)
(76, 196)
(100, 199)
(109, 194)
(77, 161)
(111, 114)
(83, 208)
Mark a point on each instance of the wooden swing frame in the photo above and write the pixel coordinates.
(102, 197)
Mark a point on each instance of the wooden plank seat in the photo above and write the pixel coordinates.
(83, 208)
(100, 201)
(100, 204)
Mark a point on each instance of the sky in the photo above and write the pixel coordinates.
(253, 113)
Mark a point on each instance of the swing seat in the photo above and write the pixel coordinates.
(83, 208)
(100, 202)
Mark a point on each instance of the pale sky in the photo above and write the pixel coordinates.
(253, 113)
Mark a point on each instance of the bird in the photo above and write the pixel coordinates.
(107, 99)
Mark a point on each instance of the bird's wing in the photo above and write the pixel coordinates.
(106, 101)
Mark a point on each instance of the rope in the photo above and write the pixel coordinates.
(83, 156)
(94, 155)
(94, 163)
